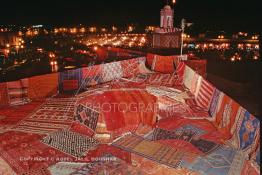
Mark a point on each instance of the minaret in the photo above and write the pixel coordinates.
(167, 36)
(167, 17)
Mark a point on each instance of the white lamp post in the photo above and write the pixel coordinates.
(183, 25)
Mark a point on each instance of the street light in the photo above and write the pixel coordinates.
(184, 24)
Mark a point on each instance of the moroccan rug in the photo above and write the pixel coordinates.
(214, 105)
(163, 64)
(172, 93)
(3, 94)
(111, 71)
(24, 152)
(107, 164)
(204, 146)
(14, 114)
(140, 78)
(69, 80)
(250, 169)
(158, 79)
(91, 76)
(149, 167)
(205, 94)
(41, 171)
(188, 133)
(40, 89)
(18, 92)
(87, 116)
(158, 152)
(246, 134)
(65, 168)
(188, 77)
(54, 114)
(2, 117)
(223, 161)
(227, 116)
(130, 67)
(123, 107)
(6, 128)
(174, 109)
(5, 169)
(71, 143)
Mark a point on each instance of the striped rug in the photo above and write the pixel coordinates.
(205, 94)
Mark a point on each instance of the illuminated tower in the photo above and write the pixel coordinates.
(166, 17)
(166, 36)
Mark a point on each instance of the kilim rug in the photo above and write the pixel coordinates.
(65, 168)
(54, 114)
(2, 117)
(24, 152)
(123, 107)
(247, 132)
(111, 71)
(108, 164)
(6, 128)
(130, 67)
(41, 171)
(87, 116)
(171, 93)
(204, 146)
(18, 92)
(4, 100)
(40, 89)
(188, 133)
(71, 143)
(250, 169)
(5, 169)
(155, 151)
(223, 161)
(149, 167)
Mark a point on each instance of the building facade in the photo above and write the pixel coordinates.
(8, 39)
(166, 36)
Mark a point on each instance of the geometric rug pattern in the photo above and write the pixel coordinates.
(65, 168)
(155, 151)
(70, 142)
(108, 165)
(54, 114)
(189, 134)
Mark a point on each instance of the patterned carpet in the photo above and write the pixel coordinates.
(24, 152)
(6, 128)
(184, 132)
(55, 114)
(2, 117)
(70, 142)
(155, 151)
(108, 164)
(188, 133)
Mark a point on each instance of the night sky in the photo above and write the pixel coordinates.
(217, 15)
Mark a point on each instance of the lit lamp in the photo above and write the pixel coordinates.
(184, 24)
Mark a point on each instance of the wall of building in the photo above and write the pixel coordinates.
(167, 40)
(10, 38)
